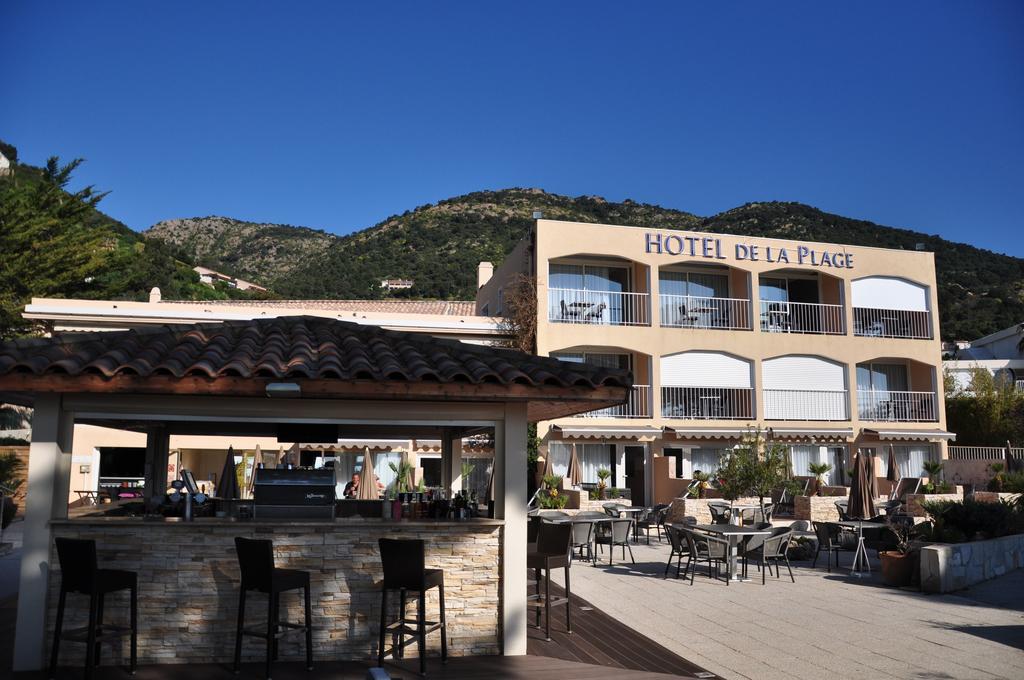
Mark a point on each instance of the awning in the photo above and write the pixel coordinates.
(922, 435)
(639, 433)
(837, 434)
(708, 432)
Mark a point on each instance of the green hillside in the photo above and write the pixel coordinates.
(55, 243)
(439, 246)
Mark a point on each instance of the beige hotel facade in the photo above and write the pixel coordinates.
(828, 348)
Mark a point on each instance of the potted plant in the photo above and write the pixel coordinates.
(703, 481)
(819, 470)
(551, 498)
(897, 561)
(996, 483)
(935, 482)
(602, 482)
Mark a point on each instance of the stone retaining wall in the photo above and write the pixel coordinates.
(189, 579)
(914, 500)
(697, 508)
(955, 566)
(816, 508)
(993, 497)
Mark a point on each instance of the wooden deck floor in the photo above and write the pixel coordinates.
(600, 648)
(601, 640)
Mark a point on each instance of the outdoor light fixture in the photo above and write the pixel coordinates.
(284, 390)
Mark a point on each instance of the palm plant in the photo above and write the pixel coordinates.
(934, 470)
(819, 470)
(602, 481)
(403, 473)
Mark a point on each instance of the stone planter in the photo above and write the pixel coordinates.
(816, 508)
(914, 500)
(993, 497)
(697, 508)
(954, 566)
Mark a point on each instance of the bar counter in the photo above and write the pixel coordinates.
(189, 580)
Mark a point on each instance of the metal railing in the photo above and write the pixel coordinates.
(891, 323)
(896, 406)
(1019, 385)
(569, 305)
(995, 453)
(707, 403)
(638, 405)
(687, 311)
(802, 317)
(805, 405)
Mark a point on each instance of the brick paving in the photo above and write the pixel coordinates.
(823, 626)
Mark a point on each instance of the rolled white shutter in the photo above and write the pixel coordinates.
(886, 292)
(704, 369)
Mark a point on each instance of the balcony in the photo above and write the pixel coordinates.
(687, 311)
(595, 307)
(898, 407)
(638, 405)
(805, 405)
(891, 323)
(802, 317)
(707, 403)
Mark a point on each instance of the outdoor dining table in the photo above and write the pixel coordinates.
(733, 533)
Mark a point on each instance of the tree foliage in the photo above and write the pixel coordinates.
(56, 243)
(754, 468)
(989, 412)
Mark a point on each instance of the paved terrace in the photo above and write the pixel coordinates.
(824, 626)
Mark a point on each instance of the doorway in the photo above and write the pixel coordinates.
(635, 474)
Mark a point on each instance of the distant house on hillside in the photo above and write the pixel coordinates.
(396, 284)
(1000, 353)
(210, 276)
(5, 165)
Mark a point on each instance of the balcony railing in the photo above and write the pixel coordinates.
(687, 311)
(637, 406)
(802, 317)
(893, 406)
(707, 403)
(805, 405)
(569, 305)
(891, 323)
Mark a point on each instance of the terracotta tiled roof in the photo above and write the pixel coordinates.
(445, 307)
(293, 347)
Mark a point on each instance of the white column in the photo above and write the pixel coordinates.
(451, 462)
(49, 476)
(620, 466)
(510, 505)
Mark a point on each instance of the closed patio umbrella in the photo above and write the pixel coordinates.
(1009, 456)
(228, 487)
(893, 475)
(548, 467)
(367, 479)
(861, 505)
(575, 472)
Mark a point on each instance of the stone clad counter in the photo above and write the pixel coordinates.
(189, 579)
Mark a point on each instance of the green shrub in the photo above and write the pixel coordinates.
(1013, 482)
(970, 520)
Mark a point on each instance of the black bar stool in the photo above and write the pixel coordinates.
(405, 571)
(551, 552)
(256, 562)
(80, 573)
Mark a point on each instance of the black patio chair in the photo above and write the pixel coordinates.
(619, 535)
(829, 540)
(612, 509)
(710, 549)
(720, 513)
(654, 520)
(680, 547)
(752, 544)
(583, 539)
(843, 508)
(774, 549)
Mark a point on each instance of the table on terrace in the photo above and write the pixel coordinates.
(733, 533)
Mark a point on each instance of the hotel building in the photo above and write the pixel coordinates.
(828, 348)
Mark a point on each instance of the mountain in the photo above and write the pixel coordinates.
(57, 243)
(263, 252)
(439, 246)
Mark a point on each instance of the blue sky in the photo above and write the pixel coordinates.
(337, 115)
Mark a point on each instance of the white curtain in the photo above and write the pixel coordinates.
(705, 460)
(381, 467)
(559, 453)
(910, 459)
(802, 457)
(592, 458)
